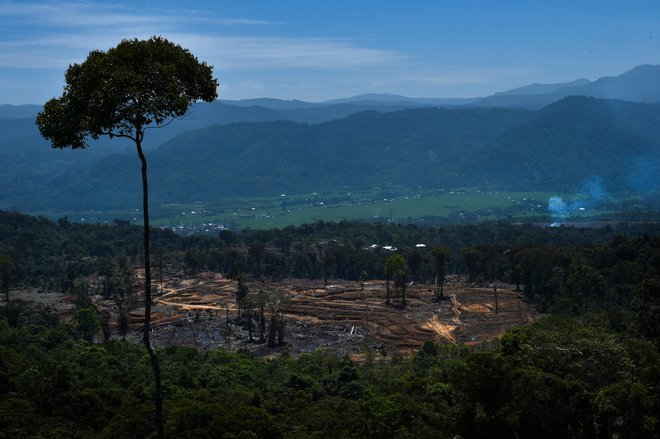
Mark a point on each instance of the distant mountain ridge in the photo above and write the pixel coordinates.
(553, 138)
(387, 98)
(557, 148)
(269, 158)
(640, 84)
(575, 140)
(539, 89)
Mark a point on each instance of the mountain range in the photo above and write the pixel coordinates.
(541, 136)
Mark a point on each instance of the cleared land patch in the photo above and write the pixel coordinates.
(344, 317)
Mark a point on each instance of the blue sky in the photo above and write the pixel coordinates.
(322, 49)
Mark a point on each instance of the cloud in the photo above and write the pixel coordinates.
(273, 52)
(95, 14)
(67, 14)
(206, 17)
(228, 52)
(51, 35)
(58, 51)
(52, 51)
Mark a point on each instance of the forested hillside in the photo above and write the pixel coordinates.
(47, 253)
(590, 370)
(574, 140)
(557, 149)
(329, 220)
(563, 377)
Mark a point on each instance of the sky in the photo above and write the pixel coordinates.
(316, 50)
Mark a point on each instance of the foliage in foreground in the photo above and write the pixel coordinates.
(595, 373)
(562, 377)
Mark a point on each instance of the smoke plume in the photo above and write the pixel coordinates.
(590, 195)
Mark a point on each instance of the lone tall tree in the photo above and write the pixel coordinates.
(6, 267)
(395, 268)
(440, 256)
(131, 88)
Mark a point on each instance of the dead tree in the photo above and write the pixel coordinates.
(275, 300)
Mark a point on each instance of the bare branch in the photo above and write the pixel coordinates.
(163, 125)
(111, 134)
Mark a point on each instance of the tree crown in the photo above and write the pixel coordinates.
(136, 85)
(395, 263)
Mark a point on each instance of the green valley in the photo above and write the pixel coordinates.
(430, 206)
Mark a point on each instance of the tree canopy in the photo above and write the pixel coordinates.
(139, 84)
(134, 86)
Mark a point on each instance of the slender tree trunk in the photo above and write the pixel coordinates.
(280, 332)
(249, 325)
(325, 272)
(271, 331)
(155, 365)
(262, 323)
(5, 274)
(387, 289)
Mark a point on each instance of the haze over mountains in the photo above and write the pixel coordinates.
(542, 136)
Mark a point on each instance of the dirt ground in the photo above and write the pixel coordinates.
(342, 317)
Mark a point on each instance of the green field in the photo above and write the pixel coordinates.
(264, 213)
(391, 205)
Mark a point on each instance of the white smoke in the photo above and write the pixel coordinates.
(591, 194)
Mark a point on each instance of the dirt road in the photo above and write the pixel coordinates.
(344, 317)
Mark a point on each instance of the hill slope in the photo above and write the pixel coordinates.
(557, 148)
(574, 140)
(409, 148)
(640, 84)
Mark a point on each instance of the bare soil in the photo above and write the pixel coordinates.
(342, 317)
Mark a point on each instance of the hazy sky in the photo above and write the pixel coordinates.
(321, 49)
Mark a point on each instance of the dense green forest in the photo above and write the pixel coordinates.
(545, 263)
(555, 149)
(562, 377)
(591, 369)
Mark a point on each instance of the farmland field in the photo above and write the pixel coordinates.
(420, 207)
(285, 211)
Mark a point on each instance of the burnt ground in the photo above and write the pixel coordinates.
(342, 317)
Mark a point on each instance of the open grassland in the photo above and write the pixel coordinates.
(390, 205)
(295, 210)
